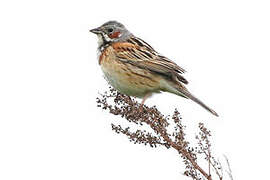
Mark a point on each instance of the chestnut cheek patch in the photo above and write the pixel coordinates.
(114, 35)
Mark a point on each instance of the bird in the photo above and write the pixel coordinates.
(134, 68)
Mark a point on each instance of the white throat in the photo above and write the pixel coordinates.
(100, 40)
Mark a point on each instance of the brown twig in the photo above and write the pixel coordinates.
(134, 112)
(185, 153)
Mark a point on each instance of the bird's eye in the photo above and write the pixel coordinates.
(110, 30)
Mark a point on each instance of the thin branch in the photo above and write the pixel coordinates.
(129, 109)
(229, 171)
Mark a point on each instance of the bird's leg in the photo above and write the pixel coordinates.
(143, 100)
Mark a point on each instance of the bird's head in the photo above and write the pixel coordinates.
(111, 31)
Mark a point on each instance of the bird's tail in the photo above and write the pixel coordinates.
(184, 92)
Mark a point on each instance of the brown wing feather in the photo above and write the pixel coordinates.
(140, 54)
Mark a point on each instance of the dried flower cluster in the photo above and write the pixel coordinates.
(166, 131)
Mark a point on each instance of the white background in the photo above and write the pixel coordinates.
(50, 127)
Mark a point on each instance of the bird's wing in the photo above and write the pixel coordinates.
(138, 53)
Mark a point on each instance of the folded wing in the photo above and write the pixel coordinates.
(138, 53)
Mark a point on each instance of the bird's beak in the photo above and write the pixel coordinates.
(95, 31)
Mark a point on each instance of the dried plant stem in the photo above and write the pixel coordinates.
(210, 163)
(229, 171)
(141, 115)
(182, 151)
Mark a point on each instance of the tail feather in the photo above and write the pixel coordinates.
(183, 91)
